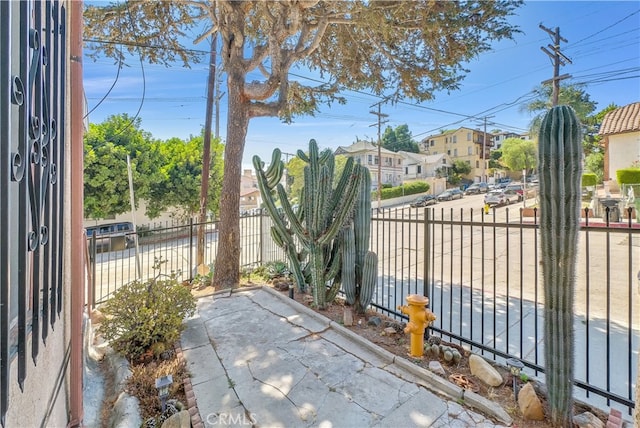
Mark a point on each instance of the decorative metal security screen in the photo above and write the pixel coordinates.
(32, 108)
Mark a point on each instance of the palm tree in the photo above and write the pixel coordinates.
(572, 95)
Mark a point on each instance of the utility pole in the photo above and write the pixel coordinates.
(218, 97)
(558, 59)
(206, 160)
(482, 150)
(379, 124)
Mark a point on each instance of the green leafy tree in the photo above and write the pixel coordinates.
(399, 139)
(594, 162)
(592, 141)
(494, 159)
(106, 184)
(571, 95)
(181, 170)
(459, 169)
(397, 48)
(519, 154)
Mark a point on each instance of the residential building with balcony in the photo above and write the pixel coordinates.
(500, 137)
(370, 155)
(464, 144)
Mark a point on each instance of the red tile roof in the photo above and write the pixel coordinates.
(621, 120)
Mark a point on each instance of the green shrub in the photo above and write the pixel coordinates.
(404, 190)
(144, 316)
(628, 176)
(589, 179)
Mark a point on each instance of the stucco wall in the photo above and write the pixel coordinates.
(624, 149)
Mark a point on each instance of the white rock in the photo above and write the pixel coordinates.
(484, 371)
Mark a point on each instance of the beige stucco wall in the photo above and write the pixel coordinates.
(624, 149)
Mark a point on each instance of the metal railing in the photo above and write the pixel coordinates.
(482, 275)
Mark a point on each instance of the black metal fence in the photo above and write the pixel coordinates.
(482, 274)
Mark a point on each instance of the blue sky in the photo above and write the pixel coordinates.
(603, 44)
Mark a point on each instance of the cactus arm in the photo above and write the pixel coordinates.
(294, 221)
(369, 280)
(560, 163)
(362, 220)
(343, 214)
(349, 265)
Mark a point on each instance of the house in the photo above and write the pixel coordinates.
(463, 144)
(421, 166)
(368, 154)
(621, 131)
(249, 192)
(42, 266)
(499, 137)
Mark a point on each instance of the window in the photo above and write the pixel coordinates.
(455, 152)
(419, 169)
(454, 139)
(449, 152)
(370, 157)
(470, 150)
(468, 136)
(477, 164)
(399, 161)
(432, 143)
(375, 160)
(406, 170)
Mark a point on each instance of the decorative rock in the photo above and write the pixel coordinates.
(587, 420)
(375, 321)
(179, 420)
(484, 371)
(347, 317)
(436, 367)
(530, 404)
(389, 331)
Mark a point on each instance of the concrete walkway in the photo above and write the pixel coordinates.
(260, 359)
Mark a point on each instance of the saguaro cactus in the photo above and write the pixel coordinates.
(324, 212)
(560, 163)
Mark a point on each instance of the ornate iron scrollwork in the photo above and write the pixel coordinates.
(32, 107)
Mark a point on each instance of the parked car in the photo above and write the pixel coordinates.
(423, 201)
(112, 236)
(476, 188)
(501, 197)
(450, 194)
(521, 188)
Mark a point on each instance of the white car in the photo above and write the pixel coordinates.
(501, 197)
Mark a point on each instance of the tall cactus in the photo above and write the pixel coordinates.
(560, 163)
(324, 212)
(359, 266)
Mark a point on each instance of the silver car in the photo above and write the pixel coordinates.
(501, 197)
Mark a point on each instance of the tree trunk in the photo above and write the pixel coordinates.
(227, 265)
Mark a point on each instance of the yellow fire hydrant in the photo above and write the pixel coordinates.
(419, 318)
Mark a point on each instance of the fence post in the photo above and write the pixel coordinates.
(427, 251)
(92, 262)
(191, 249)
(261, 241)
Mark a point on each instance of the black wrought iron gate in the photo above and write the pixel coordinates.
(32, 108)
